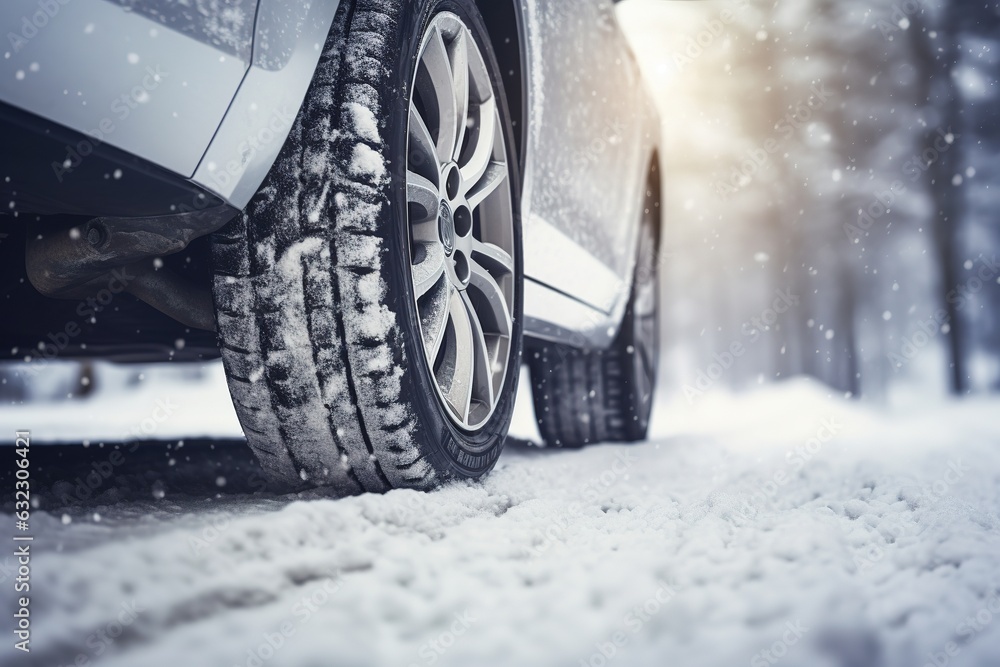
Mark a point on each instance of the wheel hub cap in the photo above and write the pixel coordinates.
(446, 223)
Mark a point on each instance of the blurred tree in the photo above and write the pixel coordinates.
(977, 78)
(936, 47)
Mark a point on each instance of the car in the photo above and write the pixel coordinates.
(376, 212)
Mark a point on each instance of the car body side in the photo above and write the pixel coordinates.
(166, 107)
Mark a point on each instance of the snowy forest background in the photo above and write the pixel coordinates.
(842, 152)
(831, 173)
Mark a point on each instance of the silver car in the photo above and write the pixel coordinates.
(373, 210)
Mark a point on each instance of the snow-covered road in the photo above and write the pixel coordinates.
(782, 528)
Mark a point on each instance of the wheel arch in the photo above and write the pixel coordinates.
(505, 25)
(652, 187)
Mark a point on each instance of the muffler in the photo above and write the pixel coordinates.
(77, 262)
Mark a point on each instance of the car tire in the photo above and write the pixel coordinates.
(584, 397)
(321, 329)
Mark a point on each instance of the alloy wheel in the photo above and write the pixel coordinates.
(645, 321)
(461, 223)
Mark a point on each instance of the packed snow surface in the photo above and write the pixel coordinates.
(785, 527)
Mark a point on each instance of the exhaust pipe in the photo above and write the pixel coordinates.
(77, 262)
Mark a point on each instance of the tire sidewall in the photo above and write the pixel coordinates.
(453, 451)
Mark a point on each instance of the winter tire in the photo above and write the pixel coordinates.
(369, 298)
(583, 397)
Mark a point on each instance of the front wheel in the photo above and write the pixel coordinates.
(369, 298)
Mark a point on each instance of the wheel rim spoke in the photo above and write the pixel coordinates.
(482, 143)
(428, 272)
(461, 232)
(459, 55)
(493, 177)
(422, 194)
(434, 320)
(497, 315)
(422, 158)
(493, 257)
(482, 389)
(439, 85)
(460, 368)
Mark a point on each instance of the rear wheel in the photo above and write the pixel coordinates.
(369, 298)
(584, 397)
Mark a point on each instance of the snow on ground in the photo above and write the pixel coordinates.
(784, 527)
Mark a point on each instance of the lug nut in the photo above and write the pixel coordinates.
(95, 236)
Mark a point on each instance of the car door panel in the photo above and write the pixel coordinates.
(584, 149)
